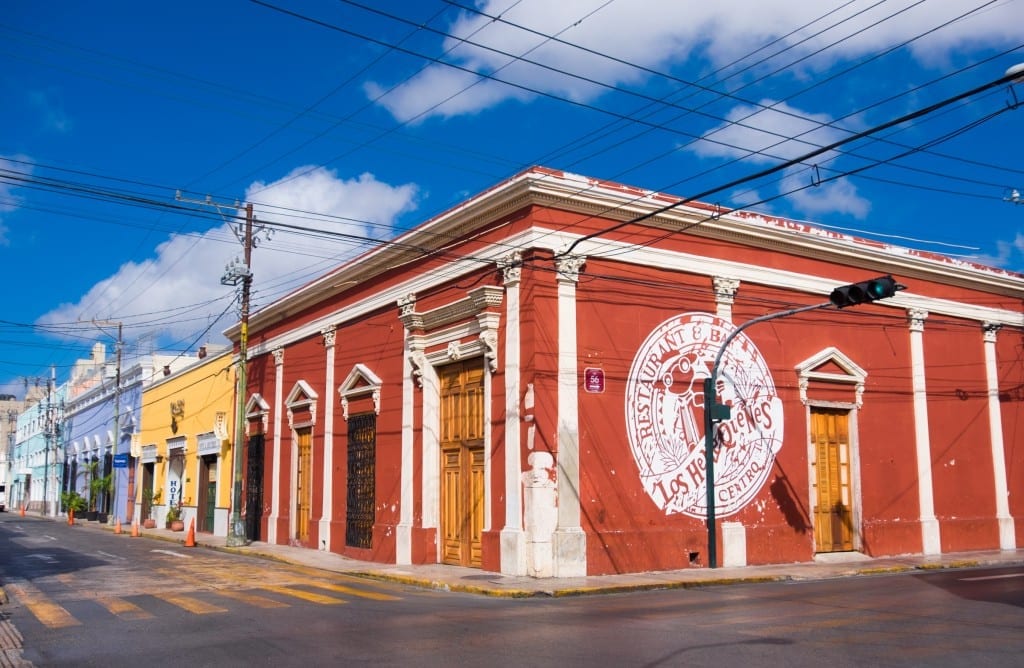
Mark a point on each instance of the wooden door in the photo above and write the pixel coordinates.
(462, 463)
(833, 516)
(304, 485)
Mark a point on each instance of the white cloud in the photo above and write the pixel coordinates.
(657, 34)
(186, 270)
(776, 132)
(1008, 254)
(771, 133)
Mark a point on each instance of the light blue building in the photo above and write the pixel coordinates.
(37, 471)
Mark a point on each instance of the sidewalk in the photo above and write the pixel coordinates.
(471, 580)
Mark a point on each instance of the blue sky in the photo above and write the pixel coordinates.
(367, 119)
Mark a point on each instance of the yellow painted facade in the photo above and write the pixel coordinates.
(184, 446)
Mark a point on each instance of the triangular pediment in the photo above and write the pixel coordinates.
(301, 393)
(256, 404)
(360, 382)
(831, 363)
(360, 379)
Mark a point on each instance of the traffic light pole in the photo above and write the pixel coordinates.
(715, 413)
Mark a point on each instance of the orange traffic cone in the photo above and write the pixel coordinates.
(23, 511)
(117, 526)
(71, 517)
(190, 539)
(135, 529)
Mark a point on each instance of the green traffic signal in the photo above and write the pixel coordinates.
(865, 292)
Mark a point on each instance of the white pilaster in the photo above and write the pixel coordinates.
(403, 537)
(513, 558)
(275, 478)
(725, 295)
(569, 542)
(1007, 530)
(329, 334)
(930, 541)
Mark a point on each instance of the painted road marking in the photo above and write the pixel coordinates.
(46, 611)
(122, 608)
(994, 577)
(342, 589)
(180, 555)
(252, 599)
(193, 605)
(304, 595)
(48, 558)
(111, 556)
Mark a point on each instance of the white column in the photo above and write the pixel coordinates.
(569, 542)
(403, 538)
(513, 559)
(1007, 530)
(329, 334)
(275, 477)
(725, 295)
(930, 541)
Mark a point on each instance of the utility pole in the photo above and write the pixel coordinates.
(235, 273)
(236, 532)
(52, 416)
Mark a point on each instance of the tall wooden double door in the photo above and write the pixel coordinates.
(462, 462)
(833, 511)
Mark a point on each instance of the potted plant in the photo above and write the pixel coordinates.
(147, 507)
(97, 486)
(174, 521)
(73, 502)
(92, 472)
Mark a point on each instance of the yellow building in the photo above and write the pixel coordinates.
(183, 448)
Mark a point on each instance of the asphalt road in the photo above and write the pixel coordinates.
(89, 598)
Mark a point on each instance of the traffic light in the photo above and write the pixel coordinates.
(865, 291)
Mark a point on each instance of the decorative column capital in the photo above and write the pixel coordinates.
(917, 316)
(407, 313)
(329, 333)
(725, 289)
(278, 356)
(511, 268)
(568, 268)
(991, 329)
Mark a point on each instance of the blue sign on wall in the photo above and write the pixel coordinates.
(121, 461)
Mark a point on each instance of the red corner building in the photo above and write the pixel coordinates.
(517, 385)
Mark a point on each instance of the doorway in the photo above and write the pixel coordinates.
(304, 484)
(206, 508)
(833, 513)
(462, 462)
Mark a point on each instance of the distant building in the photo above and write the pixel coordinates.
(517, 385)
(10, 408)
(103, 405)
(35, 462)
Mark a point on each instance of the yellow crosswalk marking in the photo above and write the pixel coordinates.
(252, 599)
(122, 608)
(352, 591)
(304, 595)
(46, 611)
(193, 605)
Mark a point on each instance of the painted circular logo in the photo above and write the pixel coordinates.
(665, 416)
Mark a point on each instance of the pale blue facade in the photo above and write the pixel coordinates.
(36, 463)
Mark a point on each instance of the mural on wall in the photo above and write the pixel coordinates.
(665, 416)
